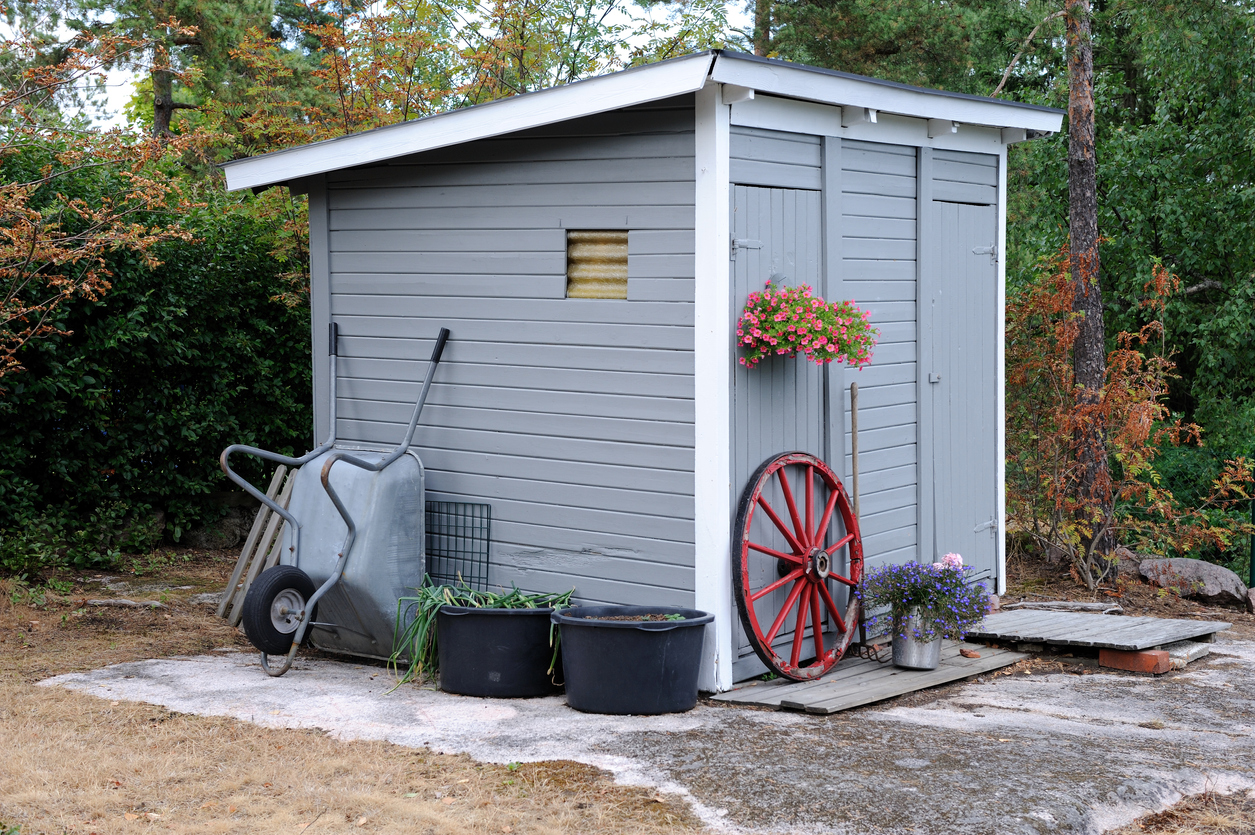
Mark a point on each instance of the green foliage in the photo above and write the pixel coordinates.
(417, 639)
(120, 419)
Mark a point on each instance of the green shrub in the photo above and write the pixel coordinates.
(124, 416)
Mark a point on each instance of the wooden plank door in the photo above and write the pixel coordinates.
(779, 405)
(961, 311)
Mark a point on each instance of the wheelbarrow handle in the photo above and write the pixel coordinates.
(440, 341)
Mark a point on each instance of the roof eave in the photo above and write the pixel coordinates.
(582, 98)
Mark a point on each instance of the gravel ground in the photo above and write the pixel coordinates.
(1059, 752)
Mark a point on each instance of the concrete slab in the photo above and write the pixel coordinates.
(1024, 754)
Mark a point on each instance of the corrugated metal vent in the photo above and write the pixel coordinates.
(596, 264)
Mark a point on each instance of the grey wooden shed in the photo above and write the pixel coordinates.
(613, 436)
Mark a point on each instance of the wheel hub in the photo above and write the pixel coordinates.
(819, 563)
(285, 611)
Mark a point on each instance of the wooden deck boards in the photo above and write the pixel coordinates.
(1089, 630)
(858, 681)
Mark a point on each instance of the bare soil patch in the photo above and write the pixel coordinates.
(75, 763)
(1030, 577)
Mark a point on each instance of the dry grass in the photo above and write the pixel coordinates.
(1204, 814)
(75, 763)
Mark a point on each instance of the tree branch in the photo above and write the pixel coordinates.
(1006, 75)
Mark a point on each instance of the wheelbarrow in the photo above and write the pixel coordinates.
(352, 545)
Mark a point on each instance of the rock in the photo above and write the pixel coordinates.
(1201, 580)
(1250, 601)
(227, 532)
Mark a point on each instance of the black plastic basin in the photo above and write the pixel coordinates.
(636, 667)
(503, 653)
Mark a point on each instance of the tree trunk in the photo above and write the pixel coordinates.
(163, 101)
(1089, 353)
(762, 27)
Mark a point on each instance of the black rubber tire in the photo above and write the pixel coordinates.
(258, 626)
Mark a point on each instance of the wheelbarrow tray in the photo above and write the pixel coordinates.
(357, 616)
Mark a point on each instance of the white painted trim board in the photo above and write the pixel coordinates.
(712, 475)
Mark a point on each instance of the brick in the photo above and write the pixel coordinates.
(1146, 661)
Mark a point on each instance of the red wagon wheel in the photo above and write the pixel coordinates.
(794, 563)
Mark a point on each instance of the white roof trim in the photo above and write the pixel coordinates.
(625, 89)
(557, 104)
(828, 87)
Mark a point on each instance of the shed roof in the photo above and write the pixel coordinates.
(639, 85)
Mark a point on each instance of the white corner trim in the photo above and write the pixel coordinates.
(1000, 430)
(712, 472)
(557, 104)
(803, 83)
(775, 113)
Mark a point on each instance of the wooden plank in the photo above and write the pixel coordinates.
(250, 544)
(264, 547)
(856, 681)
(411, 306)
(640, 216)
(989, 660)
(1091, 630)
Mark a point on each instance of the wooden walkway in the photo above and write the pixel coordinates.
(855, 681)
(1027, 626)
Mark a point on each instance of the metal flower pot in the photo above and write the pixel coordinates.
(911, 653)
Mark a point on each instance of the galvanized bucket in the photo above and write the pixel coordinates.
(911, 653)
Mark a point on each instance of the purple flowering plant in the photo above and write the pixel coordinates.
(948, 603)
(792, 320)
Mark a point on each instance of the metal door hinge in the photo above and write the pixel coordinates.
(991, 251)
(742, 243)
(991, 526)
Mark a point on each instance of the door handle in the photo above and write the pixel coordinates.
(934, 378)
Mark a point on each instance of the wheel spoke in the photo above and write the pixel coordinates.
(783, 581)
(772, 552)
(788, 500)
(832, 607)
(843, 541)
(779, 523)
(810, 532)
(817, 623)
(799, 627)
(827, 517)
(846, 580)
(784, 611)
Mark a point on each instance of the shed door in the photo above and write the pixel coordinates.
(778, 406)
(962, 377)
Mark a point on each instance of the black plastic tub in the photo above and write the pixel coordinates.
(629, 666)
(503, 653)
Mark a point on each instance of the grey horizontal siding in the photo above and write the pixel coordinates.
(961, 177)
(573, 418)
(774, 159)
(878, 246)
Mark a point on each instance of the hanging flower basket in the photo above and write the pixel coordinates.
(787, 321)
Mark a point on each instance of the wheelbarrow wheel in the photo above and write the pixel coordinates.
(796, 561)
(273, 606)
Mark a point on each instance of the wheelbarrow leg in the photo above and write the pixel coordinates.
(287, 662)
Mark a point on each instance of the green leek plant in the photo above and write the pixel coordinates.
(416, 621)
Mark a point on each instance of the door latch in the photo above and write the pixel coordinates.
(934, 378)
(991, 526)
(991, 251)
(742, 243)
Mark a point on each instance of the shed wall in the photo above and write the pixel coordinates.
(573, 418)
(872, 260)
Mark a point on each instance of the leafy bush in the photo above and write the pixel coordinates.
(118, 421)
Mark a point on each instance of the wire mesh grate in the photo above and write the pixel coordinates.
(458, 537)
